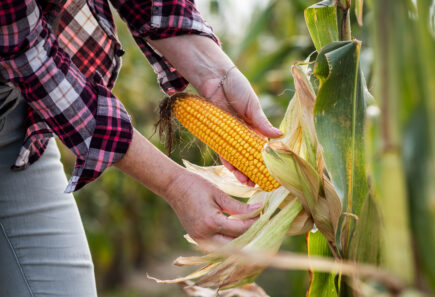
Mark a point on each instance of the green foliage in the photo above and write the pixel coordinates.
(128, 226)
(404, 47)
(321, 284)
(339, 116)
(321, 19)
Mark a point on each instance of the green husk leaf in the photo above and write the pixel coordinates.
(231, 273)
(302, 180)
(272, 201)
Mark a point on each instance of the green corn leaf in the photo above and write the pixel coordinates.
(339, 119)
(367, 231)
(321, 20)
(359, 11)
(321, 284)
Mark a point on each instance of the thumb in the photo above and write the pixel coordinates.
(232, 206)
(245, 102)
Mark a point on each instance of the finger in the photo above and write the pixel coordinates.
(248, 107)
(255, 116)
(219, 240)
(241, 177)
(227, 164)
(233, 227)
(237, 173)
(213, 242)
(233, 206)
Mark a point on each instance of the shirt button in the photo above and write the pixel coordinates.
(120, 52)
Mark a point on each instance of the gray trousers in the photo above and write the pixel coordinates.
(43, 247)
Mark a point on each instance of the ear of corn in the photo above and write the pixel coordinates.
(226, 135)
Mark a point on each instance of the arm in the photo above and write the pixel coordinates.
(95, 126)
(203, 63)
(174, 34)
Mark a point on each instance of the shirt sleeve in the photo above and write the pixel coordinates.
(84, 114)
(159, 19)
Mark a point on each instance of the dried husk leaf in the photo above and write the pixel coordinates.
(194, 275)
(306, 98)
(292, 132)
(302, 180)
(190, 239)
(258, 197)
(232, 273)
(306, 197)
(223, 179)
(248, 290)
(272, 202)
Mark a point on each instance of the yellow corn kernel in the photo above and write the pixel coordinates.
(226, 135)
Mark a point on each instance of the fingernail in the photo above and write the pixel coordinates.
(276, 130)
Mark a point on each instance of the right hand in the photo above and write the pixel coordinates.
(200, 206)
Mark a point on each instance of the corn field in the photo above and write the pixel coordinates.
(353, 202)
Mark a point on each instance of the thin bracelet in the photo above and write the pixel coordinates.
(221, 82)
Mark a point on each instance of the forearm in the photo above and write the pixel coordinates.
(198, 58)
(144, 162)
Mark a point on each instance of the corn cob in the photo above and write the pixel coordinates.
(226, 135)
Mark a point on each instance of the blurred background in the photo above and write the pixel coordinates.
(130, 230)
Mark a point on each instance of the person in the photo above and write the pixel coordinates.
(58, 63)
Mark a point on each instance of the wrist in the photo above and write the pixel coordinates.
(201, 61)
(179, 186)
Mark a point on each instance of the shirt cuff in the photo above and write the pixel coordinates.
(109, 143)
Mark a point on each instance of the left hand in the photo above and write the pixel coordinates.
(237, 97)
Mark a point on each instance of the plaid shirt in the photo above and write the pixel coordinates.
(63, 55)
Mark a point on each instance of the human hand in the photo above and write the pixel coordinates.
(204, 64)
(237, 96)
(201, 208)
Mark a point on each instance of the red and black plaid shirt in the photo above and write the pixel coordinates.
(63, 55)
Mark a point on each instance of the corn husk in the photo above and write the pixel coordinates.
(305, 198)
(249, 290)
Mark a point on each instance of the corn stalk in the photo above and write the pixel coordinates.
(405, 70)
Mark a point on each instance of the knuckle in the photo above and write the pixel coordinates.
(209, 223)
(221, 198)
(239, 206)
